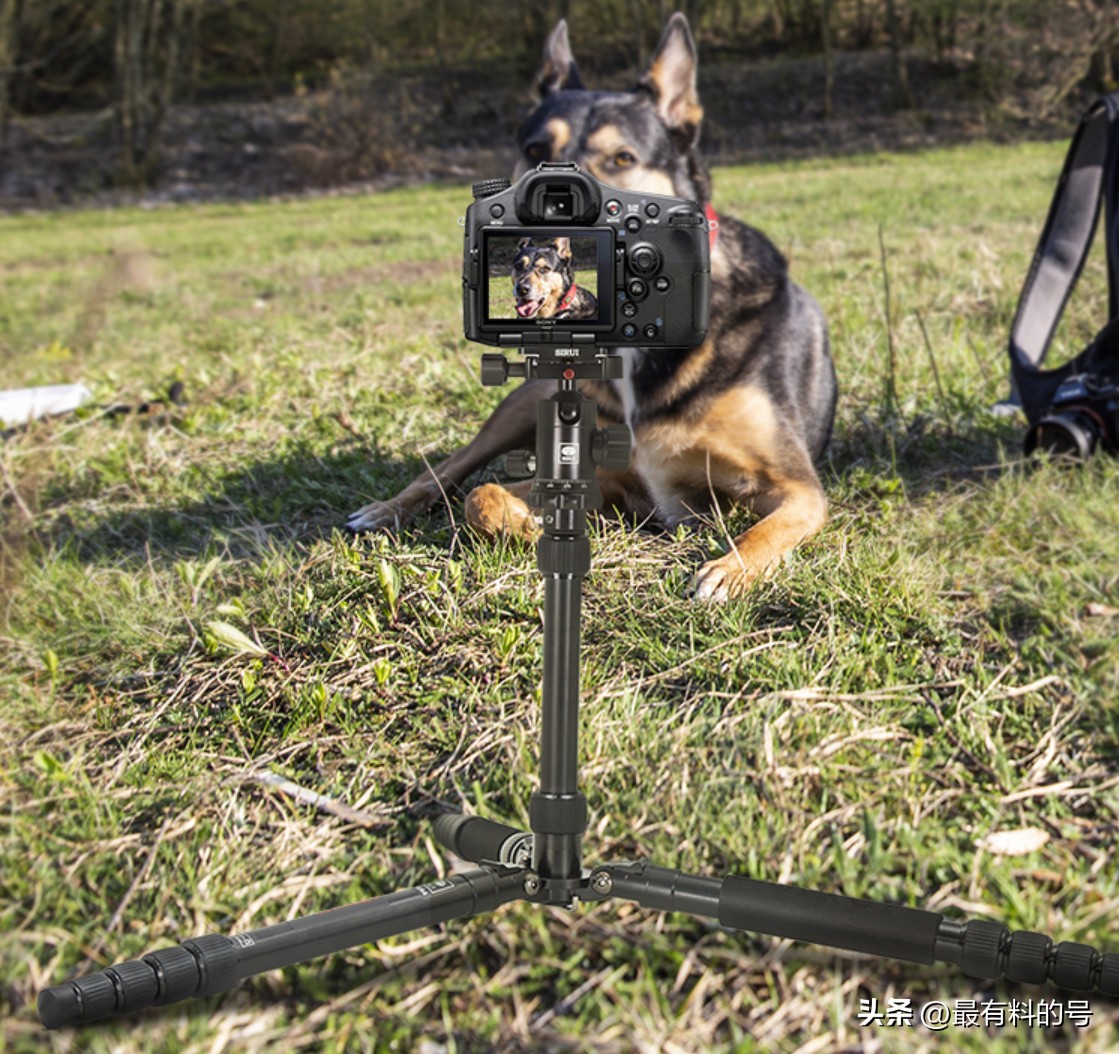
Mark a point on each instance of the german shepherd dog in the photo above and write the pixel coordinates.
(544, 282)
(740, 418)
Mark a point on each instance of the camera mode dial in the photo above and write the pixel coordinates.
(486, 188)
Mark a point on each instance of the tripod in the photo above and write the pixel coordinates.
(545, 865)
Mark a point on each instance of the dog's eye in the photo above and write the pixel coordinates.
(624, 159)
(536, 152)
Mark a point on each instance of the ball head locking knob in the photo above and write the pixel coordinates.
(495, 370)
(610, 447)
(520, 464)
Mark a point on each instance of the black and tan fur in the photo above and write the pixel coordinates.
(544, 285)
(740, 418)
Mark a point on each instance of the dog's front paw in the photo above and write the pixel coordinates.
(492, 511)
(377, 516)
(718, 581)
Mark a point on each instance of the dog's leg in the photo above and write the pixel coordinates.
(745, 448)
(792, 509)
(511, 425)
(494, 509)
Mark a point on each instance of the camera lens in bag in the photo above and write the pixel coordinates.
(1071, 433)
(1083, 417)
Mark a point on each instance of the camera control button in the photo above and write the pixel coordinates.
(651, 331)
(497, 211)
(637, 289)
(652, 210)
(629, 309)
(629, 331)
(613, 208)
(662, 284)
(644, 259)
(633, 224)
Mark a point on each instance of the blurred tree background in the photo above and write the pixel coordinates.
(129, 61)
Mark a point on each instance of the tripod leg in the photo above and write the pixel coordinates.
(981, 948)
(215, 963)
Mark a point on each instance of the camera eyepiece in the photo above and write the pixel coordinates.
(557, 193)
(559, 205)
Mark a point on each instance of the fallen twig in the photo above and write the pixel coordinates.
(319, 801)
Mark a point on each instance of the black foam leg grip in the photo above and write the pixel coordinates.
(826, 918)
(472, 837)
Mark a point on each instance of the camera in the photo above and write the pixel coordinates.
(561, 260)
(1084, 416)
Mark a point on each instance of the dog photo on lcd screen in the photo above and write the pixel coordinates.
(551, 277)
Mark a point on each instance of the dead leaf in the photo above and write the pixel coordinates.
(1014, 843)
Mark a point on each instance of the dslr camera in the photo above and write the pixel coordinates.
(562, 261)
(1083, 417)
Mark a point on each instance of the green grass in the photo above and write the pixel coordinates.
(940, 663)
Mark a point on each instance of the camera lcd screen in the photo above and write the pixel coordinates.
(561, 274)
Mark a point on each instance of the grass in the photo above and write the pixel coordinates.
(940, 663)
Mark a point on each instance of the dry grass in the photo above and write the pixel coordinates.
(939, 664)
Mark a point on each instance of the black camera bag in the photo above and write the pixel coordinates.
(1090, 178)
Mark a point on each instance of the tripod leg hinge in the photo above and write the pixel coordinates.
(663, 888)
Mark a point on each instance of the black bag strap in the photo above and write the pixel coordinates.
(1090, 178)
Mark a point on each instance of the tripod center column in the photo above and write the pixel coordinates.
(563, 491)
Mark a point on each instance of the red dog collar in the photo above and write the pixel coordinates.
(568, 298)
(712, 225)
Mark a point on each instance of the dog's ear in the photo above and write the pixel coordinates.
(559, 72)
(563, 247)
(671, 81)
(524, 243)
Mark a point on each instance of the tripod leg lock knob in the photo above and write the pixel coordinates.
(986, 949)
(982, 948)
(198, 967)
